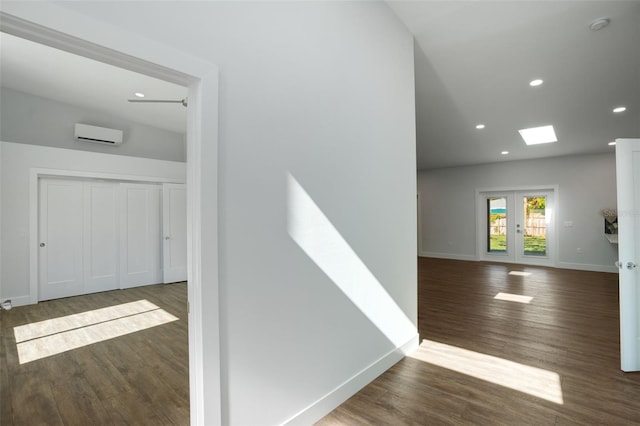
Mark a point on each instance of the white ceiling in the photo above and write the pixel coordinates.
(54, 74)
(474, 60)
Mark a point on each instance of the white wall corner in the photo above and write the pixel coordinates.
(337, 396)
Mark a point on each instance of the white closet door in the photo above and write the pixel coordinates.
(140, 235)
(61, 246)
(101, 236)
(174, 228)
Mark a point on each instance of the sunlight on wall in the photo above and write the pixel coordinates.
(534, 381)
(322, 242)
(46, 338)
(513, 297)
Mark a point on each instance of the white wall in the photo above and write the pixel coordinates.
(324, 92)
(35, 120)
(17, 160)
(587, 184)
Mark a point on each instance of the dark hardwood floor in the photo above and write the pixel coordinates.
(553, 361)
(138, 378)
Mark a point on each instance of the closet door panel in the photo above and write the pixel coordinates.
(60, 254)
(174, 227)
(101, 236)
(140, 250)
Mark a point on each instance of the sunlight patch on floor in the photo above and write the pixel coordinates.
(314, 233)
(46, 338)
(534, 381)
(520, 273)
(513, 297)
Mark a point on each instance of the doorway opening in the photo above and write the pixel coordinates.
(516, 226)
(178, 68)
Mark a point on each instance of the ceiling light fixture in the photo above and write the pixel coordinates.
(504, 152)
(620, 109)
(479, 126)
(612, 143)
(538, 135)
(139, 95)
(535, 83)
(599, 24)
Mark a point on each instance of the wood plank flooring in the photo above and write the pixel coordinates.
(569, 329)
(139, 378)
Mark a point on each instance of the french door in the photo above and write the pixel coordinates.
(516, 226)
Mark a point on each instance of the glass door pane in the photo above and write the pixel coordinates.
(497, 225)
(534, 225)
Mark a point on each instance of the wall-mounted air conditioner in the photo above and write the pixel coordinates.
(86, 133)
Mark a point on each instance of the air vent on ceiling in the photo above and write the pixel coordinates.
(86, 133)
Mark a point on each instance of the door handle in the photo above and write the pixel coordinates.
(167, 238)
(631, 265)
(42, 244)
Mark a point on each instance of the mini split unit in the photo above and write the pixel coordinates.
(86, 133)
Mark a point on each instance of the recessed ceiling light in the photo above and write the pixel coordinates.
(535, 83)
(599, 24)
(538, 135)
(612, 143)
(504, 152)
(479, 126)
(620, 109)
(140, 95)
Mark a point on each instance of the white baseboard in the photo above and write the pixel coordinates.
(451, 256)
(333, 399)
(588, 267)
(18, 301)
(562, 265)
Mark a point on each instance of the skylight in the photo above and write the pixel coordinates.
(538, 135)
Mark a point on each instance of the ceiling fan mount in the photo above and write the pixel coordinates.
(161, 101)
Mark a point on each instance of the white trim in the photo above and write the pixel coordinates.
(102, 175)
(348, 388)
(519, 188)
(588, 267)
(452, 256)
(419, 211)
(19, 301)
(56, 26)
(559, 265)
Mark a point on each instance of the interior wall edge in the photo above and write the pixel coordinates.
(350, 387)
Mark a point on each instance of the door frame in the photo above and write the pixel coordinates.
(480, 207)
(57, 27)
